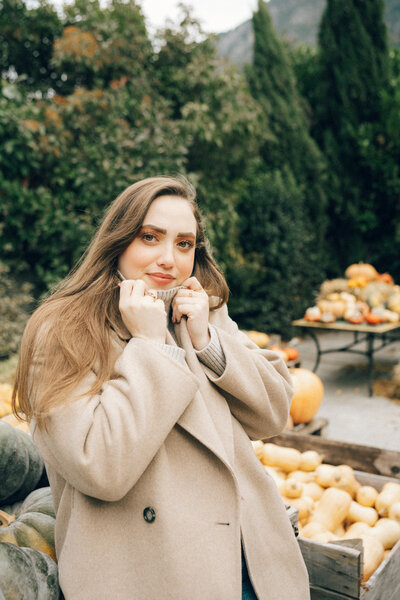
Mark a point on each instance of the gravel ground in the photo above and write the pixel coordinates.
(352, 415)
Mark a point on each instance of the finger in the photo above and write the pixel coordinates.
(193, 284)
(126, 288)
(138, 289)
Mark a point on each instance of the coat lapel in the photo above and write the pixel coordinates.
(197, 418)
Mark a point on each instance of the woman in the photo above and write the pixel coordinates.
(142, 395)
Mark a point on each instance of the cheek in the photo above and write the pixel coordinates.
(185, 265)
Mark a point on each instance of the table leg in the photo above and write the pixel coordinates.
(315, 338)
(370, 355)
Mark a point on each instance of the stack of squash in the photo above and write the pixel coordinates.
(362, 296)
(332, 504)
(28, 568)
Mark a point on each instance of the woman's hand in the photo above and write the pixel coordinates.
(143, 315)
(192, 302)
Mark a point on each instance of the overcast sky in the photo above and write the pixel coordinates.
(214, 15)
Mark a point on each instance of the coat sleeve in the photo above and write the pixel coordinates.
(101, 445)
(256, 383)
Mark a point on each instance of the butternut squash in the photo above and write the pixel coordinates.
(358, 512)
(394, 512)
(291, 488)
(277, 475)
(332, 508)
(356, 529)
(325, 537)
(304, 504)
(387, 531)
(310, 460)
(374, 554)
(389, 495)
(258, 447)
(341, 477)
(303, 476)
(366, 495)
(311, 529)
(287, 459)
(313, 490)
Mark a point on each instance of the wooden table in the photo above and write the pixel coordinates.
(385, 334)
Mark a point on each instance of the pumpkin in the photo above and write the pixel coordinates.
(355, 282)
(291, 353)
(307, 397)
(33, 526)
(259, 338)
(373, 318)
(21, 464)
(28, 574)
(361, 270)
(313, 313)
(385, 277)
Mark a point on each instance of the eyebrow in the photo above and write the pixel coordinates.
(164, 231)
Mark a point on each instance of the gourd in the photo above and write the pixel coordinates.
(373, 555)
(389, 495)
(387, 531)
(277, 475)
(307, 397)
(311, 529)
(366, 514)
(304, 476)
(313, 490)
(356, 529)
(259, 338)
(287, 459)
(291, 488)
(258, 447)
(27, 574)
(361, 270)
(366, 495)
(304, 504)
(341, 477)
(21, 464)
(34, 523)
(394, 512)
(310, 460)
(332, 508)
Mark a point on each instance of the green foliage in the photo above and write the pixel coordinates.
(15, 300)
(268, 289)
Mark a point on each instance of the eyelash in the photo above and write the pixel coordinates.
(145, 237)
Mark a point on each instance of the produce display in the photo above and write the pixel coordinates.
(27, 574)
(362, 296)
(287, 353)
(332, 504)
(21, 464)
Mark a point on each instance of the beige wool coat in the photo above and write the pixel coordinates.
(156, 483)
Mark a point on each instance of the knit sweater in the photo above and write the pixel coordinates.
(212, 355)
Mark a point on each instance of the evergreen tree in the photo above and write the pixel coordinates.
(292, 174)
(353, 74)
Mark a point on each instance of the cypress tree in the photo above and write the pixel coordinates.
(290, 175)
(353, 72)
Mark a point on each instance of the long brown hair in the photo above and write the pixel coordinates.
(70, 333)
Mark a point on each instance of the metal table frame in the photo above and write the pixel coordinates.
(385, 333)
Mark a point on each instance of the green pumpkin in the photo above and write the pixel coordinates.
(34, 523)
(21, 464)
(26, 574)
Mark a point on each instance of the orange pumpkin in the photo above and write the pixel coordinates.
(361, 270)
(291, 353)
(373, 319)
(385, 277)
(308, 395)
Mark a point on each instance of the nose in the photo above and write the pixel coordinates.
(166, 256)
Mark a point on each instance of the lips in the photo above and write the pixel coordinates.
(161, 278)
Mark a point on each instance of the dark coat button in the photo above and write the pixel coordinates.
(149, 514)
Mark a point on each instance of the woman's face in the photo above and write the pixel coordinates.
(162, 254)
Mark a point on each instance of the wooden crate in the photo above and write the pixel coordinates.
(362, 458)
(335, 568)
